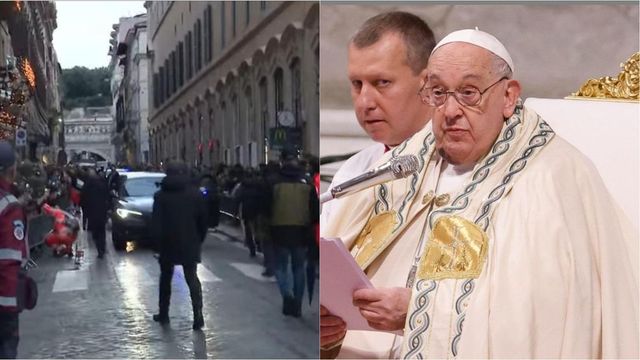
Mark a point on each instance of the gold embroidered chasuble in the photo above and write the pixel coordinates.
(533, 201)
(531, 259)
(456, 239)
(388, 213)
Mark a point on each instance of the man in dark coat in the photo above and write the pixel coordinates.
(179, 221)
(95, 201)
(212, 199)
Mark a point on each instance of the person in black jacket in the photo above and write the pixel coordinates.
(95, 200)
(179, 221)
(212, 199)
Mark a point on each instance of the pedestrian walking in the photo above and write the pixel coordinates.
(179, 222)
(262, 222)
(294, 205)
(95, 199)
(13, 252)
(247, 194)
(212, 199)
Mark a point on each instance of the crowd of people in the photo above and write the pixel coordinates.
(276, 205)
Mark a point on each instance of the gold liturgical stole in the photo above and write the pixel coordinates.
(370, 240)
(456, 249)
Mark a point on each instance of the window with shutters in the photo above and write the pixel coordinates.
(264, 105)
(167, 78)
(233, 18)
(247, 13)
(209, 30)
(161, 85)
(205, 34)
(296, 89)
(278, 89)
(189, 55)
(181, 64)
(156, 97)
(198, 26)
(174, 65)
(222, 24)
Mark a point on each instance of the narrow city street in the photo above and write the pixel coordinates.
(104, 309)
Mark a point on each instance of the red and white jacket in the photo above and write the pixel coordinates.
(13, 247)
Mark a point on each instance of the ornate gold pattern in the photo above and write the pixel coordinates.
(426, 200)
(625, 86)
(372, 237)
(457, 249)
(442, 199)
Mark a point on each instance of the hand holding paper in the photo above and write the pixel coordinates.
(347, 294)
(384, 309)
(340, 277)
(332, 328)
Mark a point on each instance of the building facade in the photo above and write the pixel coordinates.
(135, 87)
(27, 56)
(88, 134)
(128, 67)
(233, 82)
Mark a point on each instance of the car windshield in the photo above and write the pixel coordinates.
(146, 186)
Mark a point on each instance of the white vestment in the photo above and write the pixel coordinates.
(555, 274)
(391, 266)
(559, 277)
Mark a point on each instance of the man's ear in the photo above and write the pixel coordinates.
(423, 78)
(511, 96)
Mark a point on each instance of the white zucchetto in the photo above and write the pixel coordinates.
(478, 38)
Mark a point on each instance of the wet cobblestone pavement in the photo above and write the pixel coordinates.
(104, 309)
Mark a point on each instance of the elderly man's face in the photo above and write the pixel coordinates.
(384, 90)
(465, 134)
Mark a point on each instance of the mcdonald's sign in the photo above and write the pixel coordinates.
(285, 138)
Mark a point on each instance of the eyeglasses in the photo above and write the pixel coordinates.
(466, 96)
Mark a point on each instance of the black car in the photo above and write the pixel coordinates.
(132, 208)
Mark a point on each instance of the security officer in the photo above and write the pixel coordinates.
(13, 252)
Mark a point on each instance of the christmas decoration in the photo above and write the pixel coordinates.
(29, 75)
(17, 83)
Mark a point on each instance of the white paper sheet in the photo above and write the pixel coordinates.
(340, 276)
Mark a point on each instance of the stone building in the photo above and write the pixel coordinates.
(27, 56)
(128, 66)
(233, 82)
(87, 133)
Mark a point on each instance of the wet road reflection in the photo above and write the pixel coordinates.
(105, 310)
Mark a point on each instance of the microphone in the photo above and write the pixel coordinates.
(397, 168)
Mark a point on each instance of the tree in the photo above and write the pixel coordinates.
(86, 87)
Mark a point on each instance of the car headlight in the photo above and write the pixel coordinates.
(123, 213)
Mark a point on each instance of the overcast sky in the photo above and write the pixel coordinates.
(84, 28)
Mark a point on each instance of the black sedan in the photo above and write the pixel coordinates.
(131, 216)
